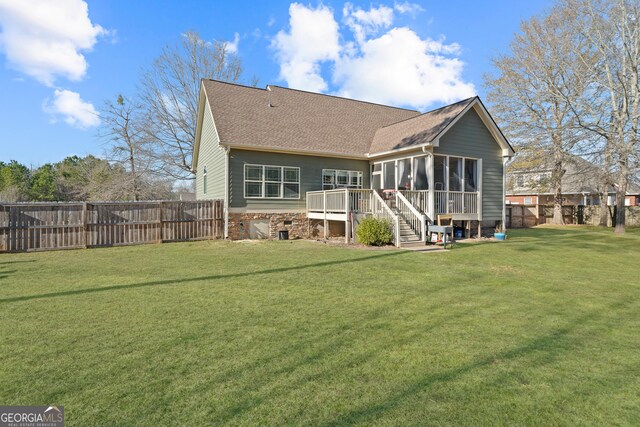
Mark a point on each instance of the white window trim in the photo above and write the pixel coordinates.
(360, 175)
(421, 155)
(463, 179)
(263, 181)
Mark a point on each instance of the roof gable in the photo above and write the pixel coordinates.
(416, 131)
(428, 128)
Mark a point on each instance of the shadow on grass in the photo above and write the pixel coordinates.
(334, 342)
(5, 273)
(570, 237)
(17, 261)
(546, 349)
(194, 279)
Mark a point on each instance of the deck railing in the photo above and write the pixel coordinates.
(380, 209)
(341, 200)
(455, 202)
(416, 220)
(359, 200)
(418, 198)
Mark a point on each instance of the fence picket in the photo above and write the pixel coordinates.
(51, 226)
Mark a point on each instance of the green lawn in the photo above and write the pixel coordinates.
(543, 329)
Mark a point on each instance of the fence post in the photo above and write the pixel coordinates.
(84, 223)
(213, 220)
(160, 208)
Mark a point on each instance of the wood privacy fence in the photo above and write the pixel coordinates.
(50, 226)
(524, 216)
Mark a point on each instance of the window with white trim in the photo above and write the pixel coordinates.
(336, 178)
(271, 182)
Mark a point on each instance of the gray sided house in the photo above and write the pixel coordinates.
(285, 159)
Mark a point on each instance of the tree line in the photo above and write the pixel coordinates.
(78, 179)
(570, 85)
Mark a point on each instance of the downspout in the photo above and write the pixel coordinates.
(226, 192)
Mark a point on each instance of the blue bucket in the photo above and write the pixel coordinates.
(500, 236)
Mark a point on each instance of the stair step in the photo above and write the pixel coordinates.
(412, 244)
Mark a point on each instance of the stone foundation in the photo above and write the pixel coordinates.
(246, 225)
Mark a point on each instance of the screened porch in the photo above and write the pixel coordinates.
(435, 184)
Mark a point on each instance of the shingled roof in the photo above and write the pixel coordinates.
(289, 119)
(417, 130)
(278, 118)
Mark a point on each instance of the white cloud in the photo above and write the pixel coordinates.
(399, 68)
(364, 23)
(232, 47)
(312, 38)
(44, 38)
(406, 7)
(74, 111)
(386, 65)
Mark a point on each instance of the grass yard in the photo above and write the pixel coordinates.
(543, 329)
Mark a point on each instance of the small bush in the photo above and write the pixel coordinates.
(374, 232)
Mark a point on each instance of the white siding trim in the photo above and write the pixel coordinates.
(226, 193)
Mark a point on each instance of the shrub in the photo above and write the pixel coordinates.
(374, 232)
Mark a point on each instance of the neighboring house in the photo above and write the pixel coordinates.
(285, 159)
(529, 183)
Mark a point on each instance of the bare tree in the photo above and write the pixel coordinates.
(611, 107)
(529, 93)
(170, 90)
(124, 129)
(578, 66)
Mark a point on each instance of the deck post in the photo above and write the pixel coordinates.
(347, 231)
(397, 226)
(479, 229)
(346, 213)
(325, 227)
(423, 233)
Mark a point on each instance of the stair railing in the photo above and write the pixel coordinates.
(416, 220)
(380, 209)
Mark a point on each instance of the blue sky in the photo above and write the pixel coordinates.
(60, 60)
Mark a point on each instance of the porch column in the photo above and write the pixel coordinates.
(431, 183)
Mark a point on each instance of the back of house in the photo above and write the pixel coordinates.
(310, 164)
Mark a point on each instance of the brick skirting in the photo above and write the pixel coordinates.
(240, 223)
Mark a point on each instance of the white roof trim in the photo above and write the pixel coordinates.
(289, 151)
(202, 106)
(434, 143)
(477, 105)
(507, 150)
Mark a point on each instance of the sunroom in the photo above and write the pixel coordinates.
(430, 184)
